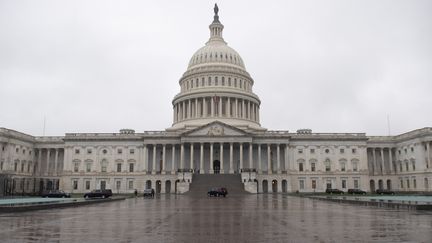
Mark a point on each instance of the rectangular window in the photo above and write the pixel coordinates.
(314, 184)
(1, 165)
(28, 168)
(406, 166)
(132, 151)
(118, 185)
(76, 167)
(414, 183)
(88, 167)
(401, 183)
(75, 184)
(87, 185)
(104, 168)
(342, 166)
(300, 151)
(119, 167)
(22, 167)
(302, 186)
(119, 151)
(312, 151)
(312, 166)
(356, 184)
(89, 151)
(131, 185)
(300, 166)
(408, 184)
(343, 184)
(15, 166)
(355, 167)
(131, 167)
(413, 165)
(77, 151)
(342, 151)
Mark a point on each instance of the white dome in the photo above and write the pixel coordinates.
(216, 52)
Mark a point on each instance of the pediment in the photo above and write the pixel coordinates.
(216, 129)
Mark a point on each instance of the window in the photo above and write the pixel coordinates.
(400, 167)
(327, 151)
(15, 166)
(355, 166)
(344, 184)
(314, 184)
(1, 165)
(413, 165)
(401, 184)
(414, 183)
(75, 184)
(356, 184)
(119, 167)
(313, 166)
(342, 166)
(131, 167)
(354, 150)
(22, 167)
(77, 151)
(104, 151)
(89, 151)
(28, 167)
(88, 167)
(412, 149)
(119, 151)
(342, 151)
(87, 185)
(76, 167)
(312, 151)
(118, 185)
(131, 186)
(17, 150)
(103, 167)
(216, 81)
(406, 166)
(408, 184)
(327, 165)
(302, 185)
(406, 151)
(132, 151)
(300, 166)
(300, 151)
(23, 151)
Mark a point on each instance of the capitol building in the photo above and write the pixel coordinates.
(216, 129)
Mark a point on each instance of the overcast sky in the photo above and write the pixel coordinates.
(331, 66)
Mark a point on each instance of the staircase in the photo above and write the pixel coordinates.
(202, 183)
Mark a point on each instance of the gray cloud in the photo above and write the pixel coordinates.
(332, 66)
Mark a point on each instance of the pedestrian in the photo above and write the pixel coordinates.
(136, 193)
(153, 192)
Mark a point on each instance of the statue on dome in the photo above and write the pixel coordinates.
(216, 9)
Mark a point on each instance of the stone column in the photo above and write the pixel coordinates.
(219, 104)
(278, 159)
(173, 160)
(174, 113)
(243, 109)
(189, 113)
(231, 170)
(212, 107)
(39, 161)
(163, 159)
(382, 168)
(211, 158)
(390, 161)
(145, 159)
(249, 110)
(56, 161)
(286, 158)
(204, 107)
(241, 157)
(269, 167)
(48, 161)
(250, 155)
(259, 159)
(428, 154)
(201, 158)
(228, 109)
(191, 155)
(182, 156)
(196, 107)
(154, 160)
(221, 159)
(374, 161)
(236, 108)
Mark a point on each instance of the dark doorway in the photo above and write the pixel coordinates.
(167, 186)
(49, 185)
(103, 185)
(284, 186)
(265, 186)
(389, 187)
(274, 185)
(158, 186)
(380, 184)
(372, 185)
(148, 184)
(216, 166)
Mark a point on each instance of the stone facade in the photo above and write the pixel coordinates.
(216, 129)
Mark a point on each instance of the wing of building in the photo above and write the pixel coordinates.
(216, 130)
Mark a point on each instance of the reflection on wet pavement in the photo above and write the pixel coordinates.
(245, 218)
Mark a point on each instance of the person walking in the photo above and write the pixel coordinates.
(136, 193)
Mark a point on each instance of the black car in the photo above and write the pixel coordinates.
(99, 193)
(334, 191)
(216, 192)
(148, 193)
(356, 191)
(55, 193)
(384, 191)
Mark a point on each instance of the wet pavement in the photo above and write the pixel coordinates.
(245, 218)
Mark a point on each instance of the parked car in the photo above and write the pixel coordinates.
(216, 192)
(99, 193)
(148, 193)
(356, 191)
(384, 191)
(55, 193)
(334, 191)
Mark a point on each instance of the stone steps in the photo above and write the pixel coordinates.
(202, 183)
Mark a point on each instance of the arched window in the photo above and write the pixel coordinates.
(327, 165)
(223, 81)
(229, 81)
(354, 164)
(342, 164)
(216, 81)
(209, 81)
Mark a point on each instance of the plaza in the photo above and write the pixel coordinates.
(237, 218)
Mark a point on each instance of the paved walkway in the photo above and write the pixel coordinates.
(245, 218)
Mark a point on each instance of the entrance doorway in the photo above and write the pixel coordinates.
(103, 185)
(216, 166)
